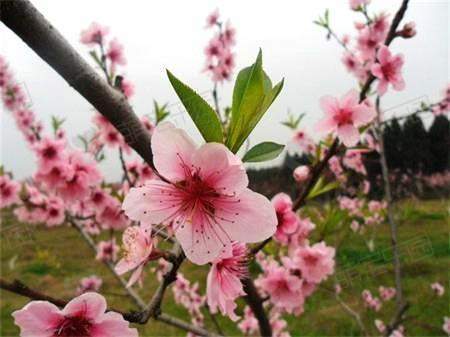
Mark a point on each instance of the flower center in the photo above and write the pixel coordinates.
(343, 117)
(388, 71)
(73, 326)
(49, 152)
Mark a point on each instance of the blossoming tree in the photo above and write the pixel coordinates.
(187, 203)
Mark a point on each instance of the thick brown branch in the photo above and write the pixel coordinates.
(34, 29)
(19, 288)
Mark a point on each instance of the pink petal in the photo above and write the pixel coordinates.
(152, 203)
(399, 83)
(329, 104)
(350, 99)
(383, 54)
(202, 240)
(376, 70)
(282, 202)
(363, 115)
(90, 305)
(249, 218)
(348, 134)
(112, 324)
(220, 168)
(172, 151)
(124, 265)
(135, 276)
(37, 319)
(382, 87)
(326, 125)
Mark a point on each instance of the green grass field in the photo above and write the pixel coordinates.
(54, 260)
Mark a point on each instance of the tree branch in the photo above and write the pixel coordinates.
(255, 302)
(34, 29)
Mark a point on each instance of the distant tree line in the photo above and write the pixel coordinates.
(411, 150)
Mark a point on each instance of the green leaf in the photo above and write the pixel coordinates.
(263, 151)
(161, 112)
(320, 188)
(203, 115)
(252, 96)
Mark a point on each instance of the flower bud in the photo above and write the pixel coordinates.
(301, 173)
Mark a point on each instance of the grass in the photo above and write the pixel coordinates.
(54, 260)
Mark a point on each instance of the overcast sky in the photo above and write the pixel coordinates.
(170, 34)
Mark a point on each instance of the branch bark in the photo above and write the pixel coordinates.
(390, 211)
(37, 32)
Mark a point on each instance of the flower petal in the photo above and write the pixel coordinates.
(220, 168)
(90, 305)
(250, 217)
(202, 240)
(172, 151)
(329, 105)
(111, 325)
(348, 134)
(37, 319)
(153, 203)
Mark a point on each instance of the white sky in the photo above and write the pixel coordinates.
(170, 34)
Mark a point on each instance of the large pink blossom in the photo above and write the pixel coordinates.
(137, 245)
(205, 197)
(345, 116)
(224, 281)
(83, 316)
(315, 262)
(388, 70)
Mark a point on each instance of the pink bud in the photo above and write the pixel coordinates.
(301, 173)
(409, 30)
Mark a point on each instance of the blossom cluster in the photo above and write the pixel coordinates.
(220, 59)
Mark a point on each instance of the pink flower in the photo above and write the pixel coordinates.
(49, 151)
(345, 116)
(304, 141)
(205, 197)
(386, 294)
(381, 327)
(9, 191)
(288, 221)
(82, 175)
(55, 211)
(214, 48)
(212, 19)
(137, 245)
(83, 316)
(107, 250)
(224, 281)
(446, 326)
(115, 53)
(356, 4)
(301, 173)
(284, 289)
(94, 34)
(316, 262)
(249, 324)
(88, 284)
(110, 216)
(127, 88)
(388, 70)
(229, 34)
(438, 288)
